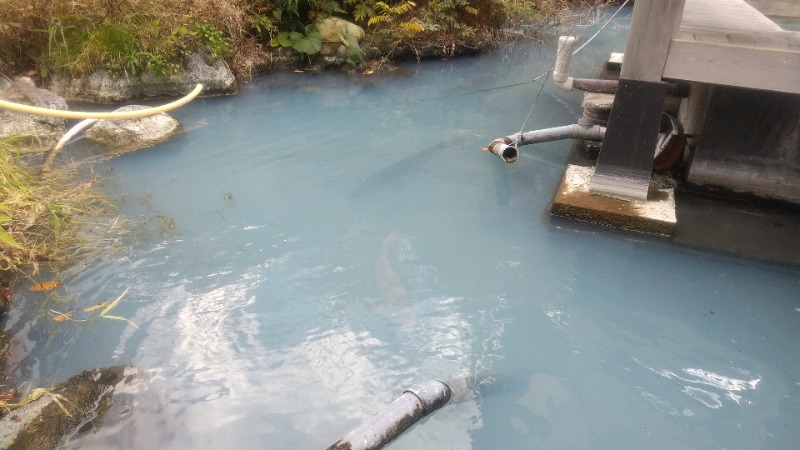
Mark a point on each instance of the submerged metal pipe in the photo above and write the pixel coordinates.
(506, 148)
(416, 402)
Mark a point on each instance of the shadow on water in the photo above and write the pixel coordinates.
(404, 171)
(502, 188)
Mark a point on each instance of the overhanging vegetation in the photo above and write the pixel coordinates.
(128, 36)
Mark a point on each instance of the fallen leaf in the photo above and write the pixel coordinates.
(5, 294)
(45, 286)
(62, 317)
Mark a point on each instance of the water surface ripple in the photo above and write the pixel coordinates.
(342, 237)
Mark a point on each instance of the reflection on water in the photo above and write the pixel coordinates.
(343, 237)
(703, 377)
(394, 299)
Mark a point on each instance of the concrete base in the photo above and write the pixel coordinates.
(573, 201)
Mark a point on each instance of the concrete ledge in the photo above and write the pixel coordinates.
(573, 201)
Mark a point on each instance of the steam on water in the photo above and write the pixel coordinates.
(342, 237)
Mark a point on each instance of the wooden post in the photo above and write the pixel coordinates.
(692, 112)
(625, 162)
(654, 24)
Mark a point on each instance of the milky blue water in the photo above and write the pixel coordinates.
(341, 237)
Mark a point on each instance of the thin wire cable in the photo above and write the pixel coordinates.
(541, 86)
(601, 28)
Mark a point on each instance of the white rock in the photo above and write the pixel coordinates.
(131, 134)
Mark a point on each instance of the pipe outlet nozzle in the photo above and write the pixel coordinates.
(507, 153)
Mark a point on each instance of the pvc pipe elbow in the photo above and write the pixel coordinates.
(565, 83)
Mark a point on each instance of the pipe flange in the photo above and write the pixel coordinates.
(433, 394)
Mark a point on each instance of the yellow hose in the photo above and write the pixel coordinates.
(101, 115)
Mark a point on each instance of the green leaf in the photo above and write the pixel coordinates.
(284, 39)
(122, 319)
(312, 31)
(113, 304)
(309, 44)
(6, 239)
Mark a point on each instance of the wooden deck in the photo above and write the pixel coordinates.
(706, 43)
(729, 42)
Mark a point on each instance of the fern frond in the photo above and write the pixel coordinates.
(412, 27)
(383, 8)
(378, 19)
(404, 8)
(362, 12)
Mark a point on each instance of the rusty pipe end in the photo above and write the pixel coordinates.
(504, 151)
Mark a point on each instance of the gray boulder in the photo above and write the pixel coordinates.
(41, 131)
(131, 134)
(333, 29)
(100, 87)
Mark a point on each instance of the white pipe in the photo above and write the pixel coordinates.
(91, 117)
(18, 107)
(80, 126)
(563, 59)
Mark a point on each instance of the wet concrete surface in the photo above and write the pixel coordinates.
(573, 200)
(746, 228)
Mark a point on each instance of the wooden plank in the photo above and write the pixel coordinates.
(779, 40)
(734, 65)
(724, 16)
(654, 24)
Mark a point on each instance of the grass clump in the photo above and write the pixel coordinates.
(40, 217)
(125, 37)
